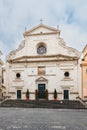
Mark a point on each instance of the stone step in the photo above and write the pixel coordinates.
(70, 104)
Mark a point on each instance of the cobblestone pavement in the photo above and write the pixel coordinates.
(42, 119)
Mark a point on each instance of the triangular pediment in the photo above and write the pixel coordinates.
(41, 79)
(41, 29)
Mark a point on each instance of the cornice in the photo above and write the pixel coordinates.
(51, 58)
(41, 34)
(18, 80)
(46, 56)
(74, 92)
(83, 64)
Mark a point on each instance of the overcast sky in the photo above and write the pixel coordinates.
(15, 15)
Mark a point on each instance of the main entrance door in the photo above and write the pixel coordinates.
(66, 94)
(41, 91)
(18, 94)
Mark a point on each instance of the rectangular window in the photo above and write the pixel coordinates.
(86, 70)
(66, 94)
(18, 94)
(41, 70)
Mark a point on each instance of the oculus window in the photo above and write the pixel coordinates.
(66, 74)
(41, 49)
(18, 75)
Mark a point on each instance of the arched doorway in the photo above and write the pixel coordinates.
(41, 87)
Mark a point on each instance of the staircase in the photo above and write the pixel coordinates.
(54, 104)
(84, 102)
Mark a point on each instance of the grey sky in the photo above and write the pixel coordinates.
(15, 15)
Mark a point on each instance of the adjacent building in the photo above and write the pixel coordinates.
(84, 73)
(42, 64)
(4, 79)
(1, 63)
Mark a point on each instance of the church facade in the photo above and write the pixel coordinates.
(43, 64)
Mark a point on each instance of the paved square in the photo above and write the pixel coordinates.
(42, 119)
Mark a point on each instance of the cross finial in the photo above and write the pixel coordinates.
(57, 26)
(25, 29)
(41, 20)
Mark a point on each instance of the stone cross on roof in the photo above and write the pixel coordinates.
(41, 20)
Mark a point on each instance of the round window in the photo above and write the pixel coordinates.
(41, 49)
(66, 74)
(18, 75)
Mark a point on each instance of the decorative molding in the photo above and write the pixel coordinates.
(74, 92)
(67, 79)
(18, 80)
(61, 41)
(40, 34)
(11, 92)
(59, 93)
(13, 53)
(18, 87)
(66, 86)
(66, 69)
(83, 64)
(41, 79)
(70, 50)
(29, 92)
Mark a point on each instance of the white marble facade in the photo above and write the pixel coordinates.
(43, 62)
